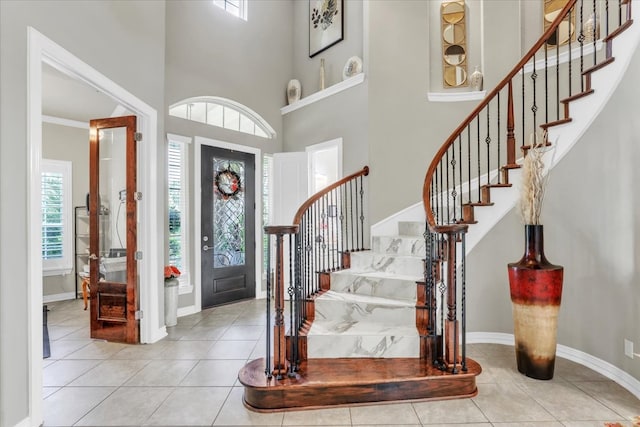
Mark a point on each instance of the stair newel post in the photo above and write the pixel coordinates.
(292, 311)
(453, 233)
(279, 344)
(267, 368)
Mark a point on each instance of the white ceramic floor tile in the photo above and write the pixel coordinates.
(63, 372)
(162, 373)
(213, 373)
(231, 350)
(190, 406)
(384, 414)
(449, 411)
(318, 417)
(69, 404)
(127, 406)
(110, 373)
(234, 413)
(507, 402)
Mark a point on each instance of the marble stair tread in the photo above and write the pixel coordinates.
(375, 283)
(335, 327)
(399, 245)
(407, 265)
(358, 308)
(363, 299)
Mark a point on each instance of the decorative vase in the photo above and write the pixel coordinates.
(475, 79)
(536, 290)
(321, 73)
(171, 301)
(293, 91)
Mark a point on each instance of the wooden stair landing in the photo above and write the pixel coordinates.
(333, 382)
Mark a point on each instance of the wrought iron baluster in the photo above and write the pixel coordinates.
(534, 106)
(487, 142)
(446, 188)
(596, 25)
(353, 245)
(499, 138)
(362, 213)
(460, 172)
(557, 81)
(292, 326)
(478, 150)
(546, 85)
(581, 38)
(569, 50)
(463, 270)
(469, 162)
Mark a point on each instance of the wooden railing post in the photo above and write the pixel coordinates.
(279, 342)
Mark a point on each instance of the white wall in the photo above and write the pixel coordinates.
(125, 41)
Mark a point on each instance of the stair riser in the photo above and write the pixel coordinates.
(374, 286)
(363, 346)
(394, 245)
(388, 316)
(405, 266)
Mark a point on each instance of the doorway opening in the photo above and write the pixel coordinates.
(42, 50)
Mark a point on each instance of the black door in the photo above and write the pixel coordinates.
(228, 226)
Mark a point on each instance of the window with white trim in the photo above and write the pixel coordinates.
(234, 7)
(267, 205)
(224, 113)
(56, 208)
(178, 196)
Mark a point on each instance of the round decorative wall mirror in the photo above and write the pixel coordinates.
(453, 33)
(454, 54)
(455, 76)
(453, 12)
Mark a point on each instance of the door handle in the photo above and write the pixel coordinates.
(205, 248)
(93, 257)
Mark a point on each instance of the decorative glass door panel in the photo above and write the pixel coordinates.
(228, 226)
(113, 273)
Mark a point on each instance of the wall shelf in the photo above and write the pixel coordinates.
(331, 90)
(456, 96)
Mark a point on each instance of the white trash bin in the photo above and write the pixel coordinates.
(171, 302)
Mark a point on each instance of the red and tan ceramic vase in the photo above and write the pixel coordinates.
(536, 290)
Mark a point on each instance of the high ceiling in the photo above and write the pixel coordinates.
(66, 97)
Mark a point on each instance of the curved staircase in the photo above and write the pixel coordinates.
(389, 323)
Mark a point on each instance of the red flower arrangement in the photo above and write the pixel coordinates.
(171, 272)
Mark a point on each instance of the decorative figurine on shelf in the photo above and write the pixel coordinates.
(294, 91)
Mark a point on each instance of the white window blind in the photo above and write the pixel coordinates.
(56, 217)
(177, 199)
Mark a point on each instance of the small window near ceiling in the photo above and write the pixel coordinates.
(234, 7)
(223, 113)
(177, 173)
(56, 209)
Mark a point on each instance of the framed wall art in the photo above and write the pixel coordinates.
(326, 21)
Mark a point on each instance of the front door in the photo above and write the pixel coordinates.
(228, 226)
(112, 229)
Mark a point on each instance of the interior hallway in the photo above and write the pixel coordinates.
(189, 379)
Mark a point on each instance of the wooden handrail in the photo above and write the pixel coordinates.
(507, 80)
(303, 208)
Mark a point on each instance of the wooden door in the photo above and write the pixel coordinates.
(228, 226)
(112, 259)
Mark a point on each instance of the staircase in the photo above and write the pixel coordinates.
(369, 310)
(389, 323)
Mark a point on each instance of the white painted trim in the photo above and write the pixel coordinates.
(317, 96)
(185, 289)
(26, 422)
(179, 138)
(241, 108)
(456, 96)
(321, 146)
(65, 122)
(199, 142)
(59, 297)
(41, 50)
(185, 311)
(598, 365)
(552, 59)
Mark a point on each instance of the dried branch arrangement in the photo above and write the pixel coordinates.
(533, 182)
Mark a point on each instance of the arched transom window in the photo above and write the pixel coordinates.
(224, 113)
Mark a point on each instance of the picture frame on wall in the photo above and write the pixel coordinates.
(326, 23)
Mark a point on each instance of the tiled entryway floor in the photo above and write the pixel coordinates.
(190, 379)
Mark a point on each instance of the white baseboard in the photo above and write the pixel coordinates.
(185, 311)
(157, 335)
(58, 297)
(26, 423)
(598, 365)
